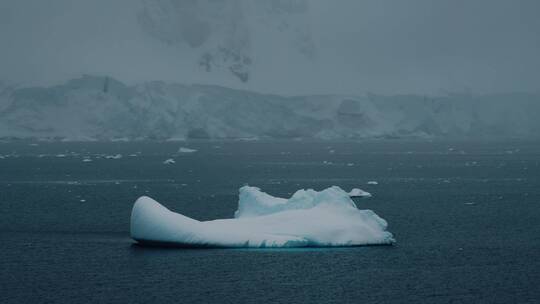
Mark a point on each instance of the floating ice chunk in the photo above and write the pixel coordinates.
(372, 183)
(186, 150)
(117, 156)
(308, 218)
(86, 160)
(61, 155)
(169, 161)
(359, 193)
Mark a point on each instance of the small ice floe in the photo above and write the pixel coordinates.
(332, 151)
(470, 203)
(356, 192)
(87, 160)
(169, 161)
(327, 162)
(186, 150)
(61, 155)
(82, 200)
(350, 164)
(372, 183)
(117, 156)
(2, 157)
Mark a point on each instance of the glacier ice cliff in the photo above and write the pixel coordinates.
(308, 218)
(102, 108)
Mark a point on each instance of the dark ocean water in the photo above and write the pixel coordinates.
(466, 217)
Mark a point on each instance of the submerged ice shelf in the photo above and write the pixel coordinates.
(308, 218)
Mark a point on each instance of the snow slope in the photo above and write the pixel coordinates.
(103, 108)
(309, 218)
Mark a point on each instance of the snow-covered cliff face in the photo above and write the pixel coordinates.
(103, 108)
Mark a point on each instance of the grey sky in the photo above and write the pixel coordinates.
(481, 44)
(418, 46)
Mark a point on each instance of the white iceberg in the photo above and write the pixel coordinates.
(308, 218)
(186, 150)
(356, 192)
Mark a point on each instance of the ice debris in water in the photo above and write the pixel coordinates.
(308, 218)
(372, 183)
(356, 192)
(169, 161)
(117, 156)
(186, 150)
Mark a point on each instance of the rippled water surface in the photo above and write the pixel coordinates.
(466, 217)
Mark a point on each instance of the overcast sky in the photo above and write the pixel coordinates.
(416, 46)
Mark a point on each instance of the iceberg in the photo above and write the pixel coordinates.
(308, 219)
